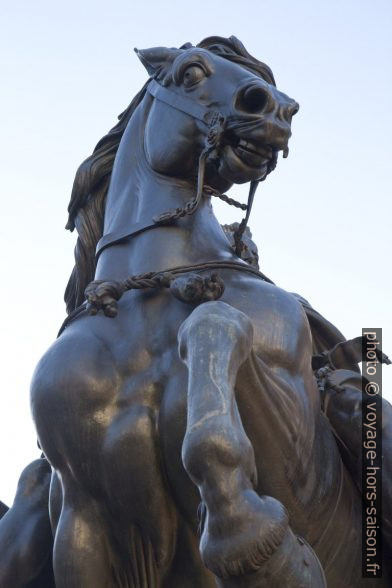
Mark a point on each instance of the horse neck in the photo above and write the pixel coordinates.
(135, 196)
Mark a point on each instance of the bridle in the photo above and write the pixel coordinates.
(216, 125)
(195, 288)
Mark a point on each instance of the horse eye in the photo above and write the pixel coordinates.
(192, 75)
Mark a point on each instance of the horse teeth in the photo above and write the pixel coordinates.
(257, 150)
(248, 146)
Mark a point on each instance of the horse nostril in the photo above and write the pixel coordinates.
(293, 109)
(254, 98)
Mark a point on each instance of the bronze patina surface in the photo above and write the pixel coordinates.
(188, 413)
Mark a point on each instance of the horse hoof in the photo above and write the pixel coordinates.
(238, 541)
(293, 565)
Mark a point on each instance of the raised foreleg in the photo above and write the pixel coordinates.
(246, 539)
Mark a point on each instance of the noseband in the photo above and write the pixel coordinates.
(216, 125)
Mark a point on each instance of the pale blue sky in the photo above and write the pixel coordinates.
(322, 220)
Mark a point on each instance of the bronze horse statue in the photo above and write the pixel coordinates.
(178, 409)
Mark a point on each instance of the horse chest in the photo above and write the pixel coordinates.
(144, 350)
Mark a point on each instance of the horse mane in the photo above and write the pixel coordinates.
(86, 209)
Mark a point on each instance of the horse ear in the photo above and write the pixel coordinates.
(157, 58)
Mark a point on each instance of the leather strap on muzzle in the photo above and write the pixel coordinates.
(182, 103)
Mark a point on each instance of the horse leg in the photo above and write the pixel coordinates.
(81, 554)
(55, 501)
(246, 539)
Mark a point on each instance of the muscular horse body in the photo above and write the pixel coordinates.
(126, 465)
(172, 424)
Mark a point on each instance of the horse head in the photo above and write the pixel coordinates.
(194, 87)
(214, 101)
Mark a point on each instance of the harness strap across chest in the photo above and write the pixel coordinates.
(104, 295)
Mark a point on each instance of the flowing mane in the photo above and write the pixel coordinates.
(87, 205)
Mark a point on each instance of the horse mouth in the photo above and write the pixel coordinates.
(253, 154)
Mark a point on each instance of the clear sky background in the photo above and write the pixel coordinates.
(322, 221)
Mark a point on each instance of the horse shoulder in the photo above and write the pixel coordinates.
(78, 357)
(75, 378)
